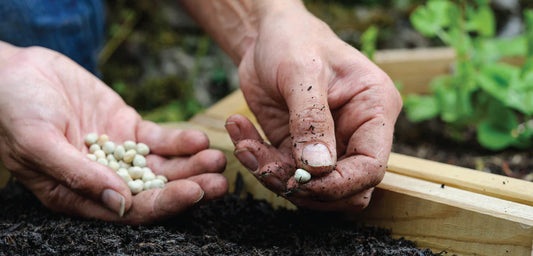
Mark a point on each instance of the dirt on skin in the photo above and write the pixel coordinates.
(228, 226)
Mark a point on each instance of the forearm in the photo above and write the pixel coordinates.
(233, 24)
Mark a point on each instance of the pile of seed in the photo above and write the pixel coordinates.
(127, 160)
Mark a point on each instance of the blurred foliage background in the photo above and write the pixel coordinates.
(166, 67)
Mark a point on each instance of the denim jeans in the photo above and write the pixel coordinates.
(72, 27)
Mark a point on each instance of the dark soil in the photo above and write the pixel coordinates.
(434, 141)
(229, 226)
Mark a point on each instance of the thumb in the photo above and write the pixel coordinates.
(66, 164)
(311, 124)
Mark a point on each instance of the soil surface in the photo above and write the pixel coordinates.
(432, 140)
(228, 226)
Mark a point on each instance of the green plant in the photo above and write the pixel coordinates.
(369, 41)
(482, 92)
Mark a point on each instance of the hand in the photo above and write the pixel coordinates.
(48, 104)
(324, 107)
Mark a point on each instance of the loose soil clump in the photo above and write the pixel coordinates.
(228, 226)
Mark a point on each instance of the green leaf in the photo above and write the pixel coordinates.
(496, 130)
(420, 108)
(528, 16)
(431, 18)
(495, 48)
(455, 102)
(481, 20)
(368, 41)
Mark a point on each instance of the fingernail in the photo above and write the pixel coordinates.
(114, 201)
(233, 131)
(200, 198)
(317, 155)
(247, 159)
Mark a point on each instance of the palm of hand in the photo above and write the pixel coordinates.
(49, 104)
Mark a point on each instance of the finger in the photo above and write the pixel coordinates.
(69, 166)
(353, 203)
(60, 198)
(206, 161)
(239, 128)
(158, 204)
(171, 142)
(213, 184)
(365, 124)
(351, 176)
(147, 206)
(266, 163)
(311, 124)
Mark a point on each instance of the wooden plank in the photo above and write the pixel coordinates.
(415, 68)
(449, 219)
(499, 186)
(461, 221)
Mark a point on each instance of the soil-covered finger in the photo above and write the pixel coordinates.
(206, 161)
(240, 128)
(354, 203)
(171, 142)
(351, 176)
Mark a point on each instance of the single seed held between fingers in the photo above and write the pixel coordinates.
(302, 176)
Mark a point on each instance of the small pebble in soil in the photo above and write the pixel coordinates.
(120, 158)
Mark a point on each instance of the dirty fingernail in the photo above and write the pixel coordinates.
(114, 201)
(247, 159)
(233, 131)
(316, 155)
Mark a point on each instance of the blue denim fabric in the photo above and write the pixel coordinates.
(72, 27)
